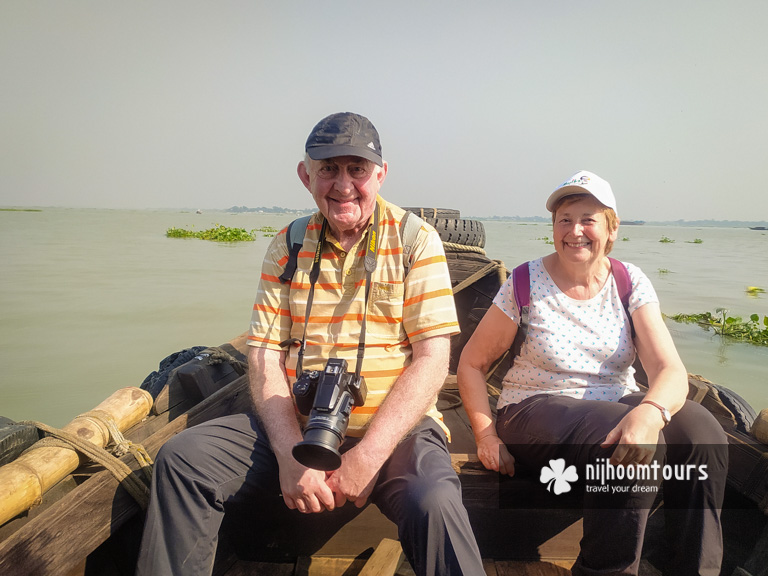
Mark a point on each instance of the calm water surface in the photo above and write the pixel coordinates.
(92, 300)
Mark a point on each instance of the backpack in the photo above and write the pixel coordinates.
(521, 282)
(294, 238)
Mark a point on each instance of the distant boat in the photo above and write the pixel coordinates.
(758, 227)
(633, 222)
(199, 211)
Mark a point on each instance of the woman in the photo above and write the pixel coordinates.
(571, 392)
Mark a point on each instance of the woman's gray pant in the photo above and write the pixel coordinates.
(546, 427)
(209, 469)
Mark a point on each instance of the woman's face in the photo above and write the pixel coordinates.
(581, 230)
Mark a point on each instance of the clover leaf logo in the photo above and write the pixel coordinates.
(558, 476)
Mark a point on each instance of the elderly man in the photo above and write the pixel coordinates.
(357, 294)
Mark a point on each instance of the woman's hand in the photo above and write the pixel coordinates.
(636, 436)
(494, 455)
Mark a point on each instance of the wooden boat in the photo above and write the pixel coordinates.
(86, 523)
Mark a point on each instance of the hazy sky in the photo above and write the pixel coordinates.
(481, 106)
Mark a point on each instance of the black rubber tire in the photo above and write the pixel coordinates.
(14, 439)
(459, 231)
(434, 212)
(742, 411)
(473, 301)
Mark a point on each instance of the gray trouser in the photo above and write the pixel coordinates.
(211, 468)
(544, 427)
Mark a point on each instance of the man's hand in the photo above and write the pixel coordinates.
(354, 480)
(304, 489)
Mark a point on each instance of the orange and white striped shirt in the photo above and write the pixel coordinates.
(400, 310)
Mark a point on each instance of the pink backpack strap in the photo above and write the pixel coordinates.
(624, 284)
(521, 284)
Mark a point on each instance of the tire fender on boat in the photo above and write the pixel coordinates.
(15, 438)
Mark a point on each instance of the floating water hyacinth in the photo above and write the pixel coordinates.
(734, 327)
(220, 233)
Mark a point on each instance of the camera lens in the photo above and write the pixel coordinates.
(318, 450)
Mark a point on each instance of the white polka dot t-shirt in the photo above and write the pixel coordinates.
(579, 348)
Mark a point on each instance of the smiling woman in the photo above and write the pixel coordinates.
(571, 389)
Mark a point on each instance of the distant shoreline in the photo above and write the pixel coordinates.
(683, 223)
(303, 211)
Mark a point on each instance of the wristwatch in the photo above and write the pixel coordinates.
(665, 415)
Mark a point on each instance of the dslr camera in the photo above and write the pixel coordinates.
(327, 397)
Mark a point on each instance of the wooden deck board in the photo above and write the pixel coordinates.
(385, 559)
(345, 566)
(326, 566)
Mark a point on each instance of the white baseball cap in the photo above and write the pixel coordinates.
(584, 182)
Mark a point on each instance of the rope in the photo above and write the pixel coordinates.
(119, 469)
(219, 356)
(475, 276)
(452, 247)
(122, 445)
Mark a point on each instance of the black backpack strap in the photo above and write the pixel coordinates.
(294, 238)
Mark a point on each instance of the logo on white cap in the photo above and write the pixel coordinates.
(581, 181)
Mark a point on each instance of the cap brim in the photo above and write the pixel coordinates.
(325, 152)
(566, 191)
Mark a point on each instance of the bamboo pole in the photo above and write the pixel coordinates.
(24, 481)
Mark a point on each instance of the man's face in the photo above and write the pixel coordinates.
(344, 189)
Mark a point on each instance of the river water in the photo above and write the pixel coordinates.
(92, 300)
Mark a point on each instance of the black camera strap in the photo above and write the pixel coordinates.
(371, 251)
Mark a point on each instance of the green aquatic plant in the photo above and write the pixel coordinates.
(695, 241)
(20, 210)
(666, 240)
(546, 240)
(625, 239)
(734, 327)
(663, 271)
(218, 233)
(754, 291)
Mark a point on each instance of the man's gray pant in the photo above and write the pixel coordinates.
(204, 471)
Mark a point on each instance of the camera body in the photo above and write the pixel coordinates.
(327, 397)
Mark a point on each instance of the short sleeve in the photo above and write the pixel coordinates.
(505, 300)
(642, 290)
(429, 308)
(271, 316)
